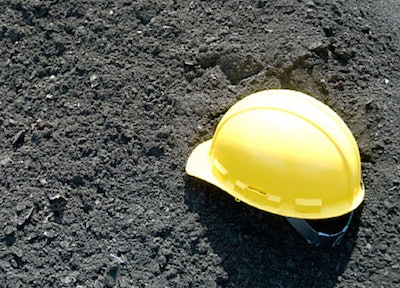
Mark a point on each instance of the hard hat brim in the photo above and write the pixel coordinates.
(199, 163)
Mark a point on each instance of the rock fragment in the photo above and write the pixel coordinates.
(4, 160)
(18, 139)
(94, 81)
(237, 67)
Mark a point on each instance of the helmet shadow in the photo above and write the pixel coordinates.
(259, 249)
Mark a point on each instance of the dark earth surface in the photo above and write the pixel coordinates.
(101, 103)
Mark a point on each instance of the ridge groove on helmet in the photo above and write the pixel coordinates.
(221, 169)
(308, 204)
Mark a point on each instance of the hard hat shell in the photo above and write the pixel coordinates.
(283, 152)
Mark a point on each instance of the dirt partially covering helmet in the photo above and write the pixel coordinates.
(286, 153)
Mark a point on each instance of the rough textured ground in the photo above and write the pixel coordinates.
(102, 101)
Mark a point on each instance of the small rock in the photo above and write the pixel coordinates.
(10, 239)
(77, 180)
(49, 234)
(310, 4)
(94, 81)
(146, 11)
(208, 59)
(12, 121)
(366, 29)
(156, 151)
(368, 246)
(189, 63)
(203, 48)
(43, 181)
(210, 40)
(117, 259)
(261, 3)
(387, 258)
(315, 45)
(18, 139)
(171, 273)
(23, 220)
(8, 230)
(237, 67)
(319, 46)
(328, 30)
(113, 271)
(387, 204)
(68, 279)
(4, 160)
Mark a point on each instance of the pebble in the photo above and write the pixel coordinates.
(210, 40)
(203, 48)
(387, 204)
(316, 46)
(19, 138)
(4, 160)
(115, 258)
(49, 234)
(94, 81)
(237, 66)
(310, 4)
(77, 180)
(68, 279)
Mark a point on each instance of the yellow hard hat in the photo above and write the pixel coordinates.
(283, 152)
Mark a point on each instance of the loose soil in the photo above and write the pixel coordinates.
(101, 103)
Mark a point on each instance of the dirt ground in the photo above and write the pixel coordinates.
(101, 103)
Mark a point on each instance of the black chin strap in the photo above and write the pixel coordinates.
(316, 238)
